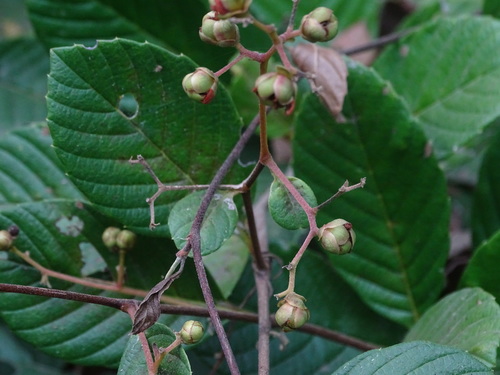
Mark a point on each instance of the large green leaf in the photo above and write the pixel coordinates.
(416, 358)
(468, 320)
(167, 23)
(401, 216)
(458, 97)
(218, 225)
(486, 206)
(185, 142)
(23, 82)
(133, 361)
(482, 269)
(333, 304)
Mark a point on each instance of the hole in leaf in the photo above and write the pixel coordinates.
(128, 105)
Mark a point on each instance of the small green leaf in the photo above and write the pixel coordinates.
(415, 358)
(133, 361)
(468, 320)
(97, 127)
(482, 269)
(401, 216)
(219, 223)
(284, 209)
(456, 99)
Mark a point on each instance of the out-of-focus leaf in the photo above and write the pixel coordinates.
(456, 96)
(329, 73)
(468, 320)
(486, 206)
(481, 271)
(185, 142)
(218, 225)
(400, 217)
(492, 7)
(416, 358)
(23, 82)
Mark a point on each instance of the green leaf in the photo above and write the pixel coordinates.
(456, 99)
(468, 320)
(481, 271)
(218, 225)
(284, 209)
(400, 217)
(133, 361)
(23, 82)
(492, 7)
(166, 23)
(486, 206)
(416, 358)
(184, 142)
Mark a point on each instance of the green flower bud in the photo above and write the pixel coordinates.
(222, 33)
(109, 237)
(337, 236)
(6, 240)
(292, 312)
(320, 25)
(277, 89)
(201, 85)
(125, 240)
(192, 331)
(229, 8)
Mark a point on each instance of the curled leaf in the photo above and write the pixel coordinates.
(328, 74)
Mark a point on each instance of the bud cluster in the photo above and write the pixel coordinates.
(222, 33)
(277, 89)
(337, 236)
(118, 239)
(320, 25)
(229, 8)
(292, 312)
(7, 237)
(191, 332)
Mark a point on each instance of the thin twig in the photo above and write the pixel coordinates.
(345, 188)
(195, 240)
(293, 14)
(130, 305)
(252, 228)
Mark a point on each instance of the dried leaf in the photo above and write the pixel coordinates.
(328, 74)
(150, 308)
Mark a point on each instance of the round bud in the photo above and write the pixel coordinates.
(192, 331)
(277, 89)
(5, 240)
(320, 25)
(201, 85)
(337, 236)
(292, 312)
(126, 240)
(222, 33)
(229, 8)
(109, 237)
